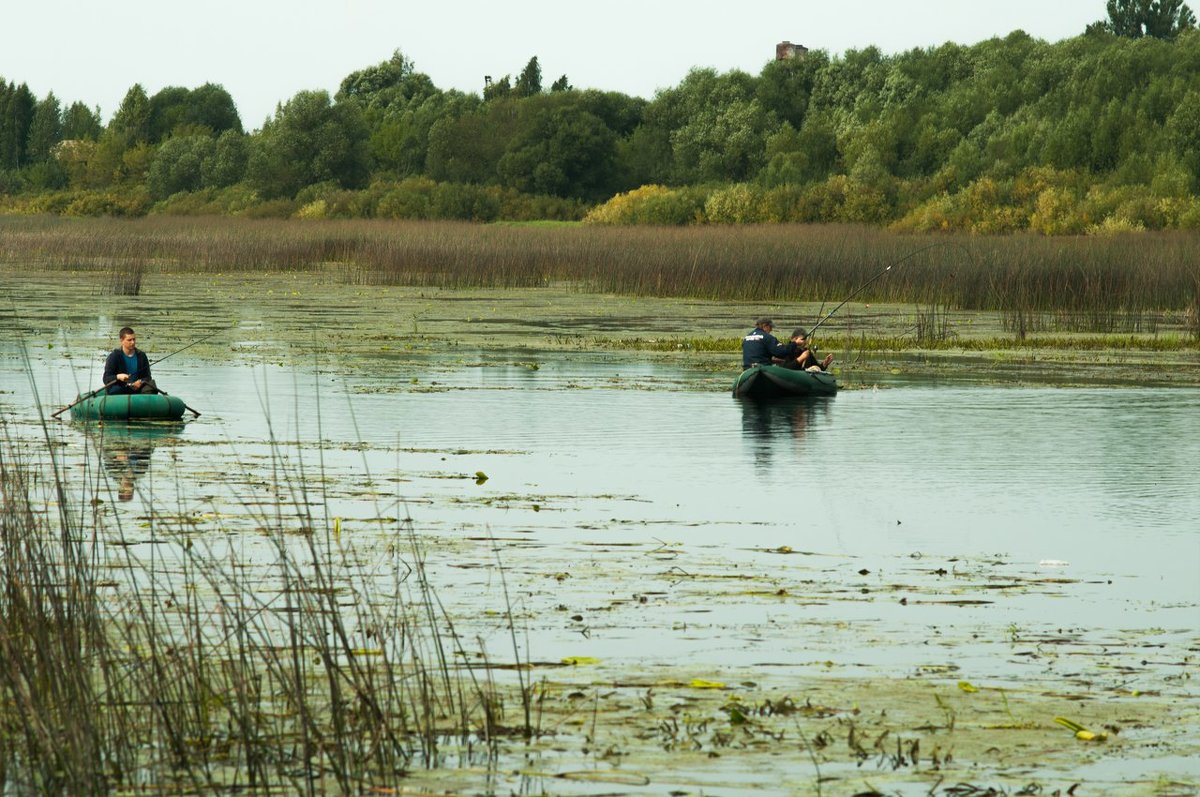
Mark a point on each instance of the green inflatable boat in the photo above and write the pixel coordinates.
(128, 407)
(773, 381)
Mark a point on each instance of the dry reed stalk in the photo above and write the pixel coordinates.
(273, 683)
(1104, 284)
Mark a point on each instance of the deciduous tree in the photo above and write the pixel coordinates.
(310, 140)
(1162, 19)
(529, 82)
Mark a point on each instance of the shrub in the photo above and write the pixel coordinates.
(737, 204)
(1056, 212)
(1115, 225)
(313, 210)
(271, 209)
(129, 203)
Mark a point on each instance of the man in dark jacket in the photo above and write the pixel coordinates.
(760, 345)
(127, 369)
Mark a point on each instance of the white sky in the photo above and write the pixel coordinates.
(264, 51)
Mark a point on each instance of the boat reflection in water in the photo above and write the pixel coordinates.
(125, 449)
(766, 422)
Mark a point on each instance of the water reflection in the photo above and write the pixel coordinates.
(125, 449)
(765, 422)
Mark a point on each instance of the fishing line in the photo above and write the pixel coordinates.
(185, 348)
(894, 263)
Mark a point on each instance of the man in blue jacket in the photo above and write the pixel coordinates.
(127, 369)
(760, 345)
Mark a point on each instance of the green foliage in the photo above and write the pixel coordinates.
(45, 129)
(234, 200)
(391, 86)
(125, 203)
(498, 89)
(559, 150)
(17, 106)
(310, 140)
(227, 165)
(1162, 19)
(130, 125)
(529, 82)
(178, 165)
(79, 122)
(1094, 133)
(209, 107)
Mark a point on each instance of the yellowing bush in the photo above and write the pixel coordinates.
(622, 208)
(738, 204)
(1056, 212)
(651, 204)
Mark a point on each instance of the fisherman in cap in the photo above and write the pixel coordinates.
(760, 346)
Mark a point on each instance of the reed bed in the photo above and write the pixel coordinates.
(185, 673)
(1124, 283)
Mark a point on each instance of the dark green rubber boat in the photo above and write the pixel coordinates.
(129, 407)
(773, 381)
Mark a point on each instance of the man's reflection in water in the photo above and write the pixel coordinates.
(765, 422)
(125, 450)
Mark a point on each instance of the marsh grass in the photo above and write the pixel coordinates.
(1098, 284)
(193, 671)
(126, 281)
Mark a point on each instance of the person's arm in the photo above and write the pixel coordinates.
(111, 365)
(778, 349)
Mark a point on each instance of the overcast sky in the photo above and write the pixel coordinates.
(264, 51)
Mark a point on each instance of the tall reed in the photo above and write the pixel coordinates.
(1104, 284)
(187, 672)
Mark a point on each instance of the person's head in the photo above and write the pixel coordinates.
(128, 339)
(800, 336)
(765, 324)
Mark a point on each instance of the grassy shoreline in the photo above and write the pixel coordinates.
(1120, 284)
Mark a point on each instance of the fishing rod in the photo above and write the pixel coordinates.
(86, 396)
(185, 348)
(867, 284)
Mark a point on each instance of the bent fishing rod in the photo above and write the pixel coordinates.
(868, 283)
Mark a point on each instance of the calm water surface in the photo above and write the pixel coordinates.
(1093, 486)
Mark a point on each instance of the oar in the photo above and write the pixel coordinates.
(185, 406)
(87, 396)
(83, 397)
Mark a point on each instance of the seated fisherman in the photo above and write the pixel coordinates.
(127, 369)
(760, 346)
(801, 357)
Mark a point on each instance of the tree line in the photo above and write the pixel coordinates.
(1010, 133)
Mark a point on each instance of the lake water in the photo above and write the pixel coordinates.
(645, 516)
